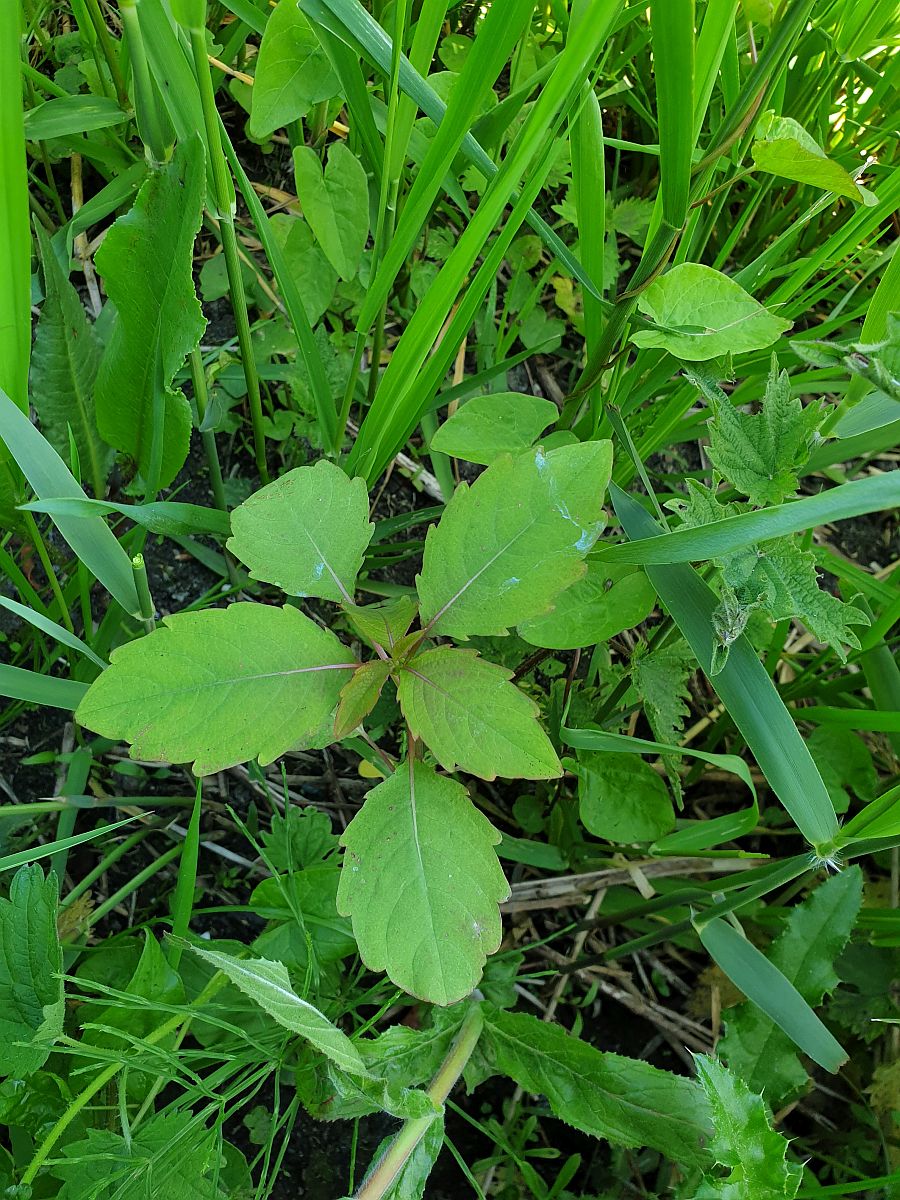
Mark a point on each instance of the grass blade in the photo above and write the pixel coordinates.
(15, 241)
(19, 684)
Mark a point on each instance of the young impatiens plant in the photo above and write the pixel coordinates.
(420, 879)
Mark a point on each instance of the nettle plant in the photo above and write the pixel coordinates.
(420, 879)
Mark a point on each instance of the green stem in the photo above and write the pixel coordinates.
(133, 884)
(148, 612)
(109, 51)
(41, 548)
(201, 396)
(386, 1170)
(183, 900)
(223, 190)
(146, 105)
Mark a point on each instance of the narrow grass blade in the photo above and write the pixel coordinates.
(672, 24)
(19, 684)
(89, 537)
(874, 493)
(15, 241)
(58, 632)
(33, 853)
(744, 687)
(168, 517)
(762, 982)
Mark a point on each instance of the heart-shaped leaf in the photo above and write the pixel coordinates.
(336, 203)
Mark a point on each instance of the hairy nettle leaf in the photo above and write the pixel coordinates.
(221, 687)
(422, 884)
(31, 991)
(701, 314)
(470, 716)
(305, 532)
(509, 544)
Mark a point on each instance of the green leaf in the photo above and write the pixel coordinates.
(472, 718)
(507, 545)
(171, 1155)
(623, 1100)
(359, 696)
(382, 623)
(305, 532)
(67, 115)
(335, 203)
(422, 884)
(487, 426)
(185, 691)
(154, 983)
(621, 798)
(762, 982)
(46, 690)
(880, 819)
(313, 274)
(783, 147)
(32, 1006)
(169, 517)
(91, 539)
(268, 984)
(815, 933)
(660, 679)
(146, 263)
(292, 74)
(702, 313)
(64, 363)
(301, 837)
(413, 1175)
(744, 1141)
(762, 453)
(605, 602)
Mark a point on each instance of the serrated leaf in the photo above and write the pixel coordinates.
(293, 72)
(783, 147)
(660, 679)
(762, 453)
(510, 543)
(31, 991)
(184, 692)
(623, 1100)
(335, 203)
(305, 532)
(422, 884)
(268, 985)
(64, 364)
(702, 313)
(471, 717)
(594, 609)
(805, 952)
(781, 578)
(359, 696)
(744, 1141)
(171, 1155)
(621, 798)
(500, 423)
(383, 623)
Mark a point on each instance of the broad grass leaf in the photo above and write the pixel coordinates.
(744, 686)
(623, 1100)
(65, 359)
(335, 203)
(172, 1155)
(146, 263)
(621, 798)
(268, 984)
(743, 1141)
(702, 314)
(292, 74)
(67, 115)
(90, 538)
(487, 426)
(422, 884)
(185, 691)
(594, 609)
(305, 532)
(814, 934)
(767, 986)
(510, 543)
(18, 683)
(32, 1006)
(472, 718)
(783, 147)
